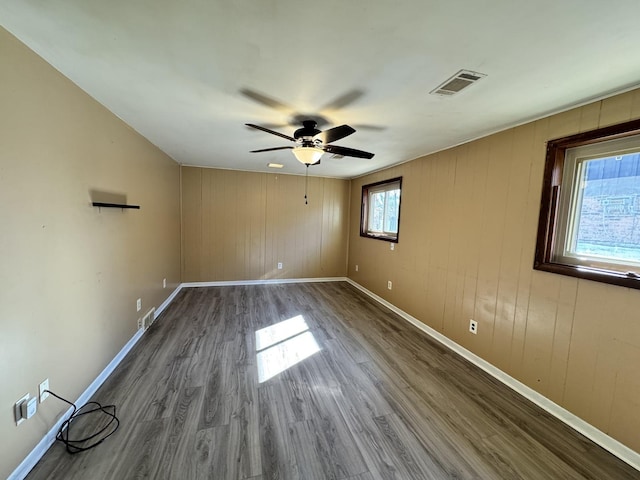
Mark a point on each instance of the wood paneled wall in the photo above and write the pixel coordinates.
(239, 225)
(467, 238)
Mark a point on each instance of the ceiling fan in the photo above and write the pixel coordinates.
(311, 143)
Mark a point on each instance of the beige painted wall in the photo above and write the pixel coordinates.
(70, 274)
(239, 225)
(467, 237)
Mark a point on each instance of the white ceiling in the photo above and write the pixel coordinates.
(189, 74)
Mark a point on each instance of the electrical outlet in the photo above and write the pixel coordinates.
(389, 285)
(29, 408)
(473, 327)
(356, 268)
(392, 246)
(279, 265)
(164, 283)
(17, 409)
(138, 304)
(140, 325)
(42, 390)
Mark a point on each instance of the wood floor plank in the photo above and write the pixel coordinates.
(160, 403)
(364, 476)
(503, 451)
(352, 392)
(144, 452)
(453, 449)
(379, 456)
(244, 433)
(216, 407)
(210, 453)
(325, 450)
(277, 455)
(180, 434)
(414, 463)
(357, 386)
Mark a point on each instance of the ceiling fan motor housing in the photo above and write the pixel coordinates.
(308, 130)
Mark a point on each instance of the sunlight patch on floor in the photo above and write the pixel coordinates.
(282, 346)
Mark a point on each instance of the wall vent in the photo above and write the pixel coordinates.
(457, 83)
(149, 318)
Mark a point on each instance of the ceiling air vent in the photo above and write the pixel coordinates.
(458, 82)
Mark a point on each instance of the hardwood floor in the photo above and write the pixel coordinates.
(333, 386)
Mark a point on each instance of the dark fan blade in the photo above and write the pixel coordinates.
(343, 100)
(274, 126)
(347, 152)
(272, 132)
(364, 126)
(334, 134)
(266, 100)
(270, 149)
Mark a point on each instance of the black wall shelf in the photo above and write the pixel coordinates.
(115, 205)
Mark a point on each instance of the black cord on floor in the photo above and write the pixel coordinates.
(83, 444)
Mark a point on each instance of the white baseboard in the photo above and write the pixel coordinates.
(43, 445)
(262, 282)
(166, 303)
(621, 451)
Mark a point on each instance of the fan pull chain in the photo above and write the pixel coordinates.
(306, 183)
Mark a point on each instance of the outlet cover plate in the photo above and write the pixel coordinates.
(138, 304)
(41, 390)
(473, 327)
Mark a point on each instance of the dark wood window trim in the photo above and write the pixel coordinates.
(549, 207)
(364, 210)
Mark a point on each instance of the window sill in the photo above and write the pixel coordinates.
(386, 238)
(630, 280)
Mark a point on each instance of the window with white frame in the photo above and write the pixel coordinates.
(380, 216)
(590, 216)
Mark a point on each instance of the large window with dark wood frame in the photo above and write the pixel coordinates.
(380, 216)
(589, 223)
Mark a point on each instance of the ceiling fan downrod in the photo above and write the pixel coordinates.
(306, 183)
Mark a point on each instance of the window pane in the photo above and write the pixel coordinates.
(607, 215)
(392, 209)
(376, 211)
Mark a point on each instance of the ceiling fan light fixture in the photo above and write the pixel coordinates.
(312, 143)
(307, 155)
